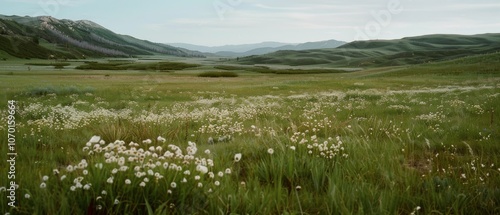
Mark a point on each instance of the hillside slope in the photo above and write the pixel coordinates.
(411, 50)
(46, 37)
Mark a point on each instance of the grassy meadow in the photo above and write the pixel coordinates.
(395, 140)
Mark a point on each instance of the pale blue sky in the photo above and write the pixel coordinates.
(219, 22)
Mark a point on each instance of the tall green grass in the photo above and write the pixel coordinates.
(419, 147)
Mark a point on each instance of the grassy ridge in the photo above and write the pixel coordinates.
(487, 64)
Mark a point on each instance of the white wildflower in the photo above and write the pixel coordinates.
(110, 180)
(87, 187)
(161, 139)
(202, 169)
(237, 157)
(95, 139)
(270, 151)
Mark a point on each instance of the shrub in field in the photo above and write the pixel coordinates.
(161, 66)
(49, 64)
(222, 74)
(52, 90)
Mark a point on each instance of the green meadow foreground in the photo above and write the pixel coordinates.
(397, 140)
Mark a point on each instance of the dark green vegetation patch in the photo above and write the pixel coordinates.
(268, 70)
(159, 66)
(222, 74)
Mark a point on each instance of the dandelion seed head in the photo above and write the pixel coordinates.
(237, 157)
(161, 139)
(270, 151)
(202, 169)
(87, 187)
(110, 180)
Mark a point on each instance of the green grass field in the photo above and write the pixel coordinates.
(396, 140)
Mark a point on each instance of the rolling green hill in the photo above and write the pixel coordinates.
(483, 64)
(48, 37)
(374, 53)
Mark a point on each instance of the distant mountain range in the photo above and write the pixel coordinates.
(48, 37)
(373, 53)
(258, 48)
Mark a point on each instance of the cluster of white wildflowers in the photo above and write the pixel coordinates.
(432, 117)
(143, 164)
(328, 148)
(399, 108)
(67, 117)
